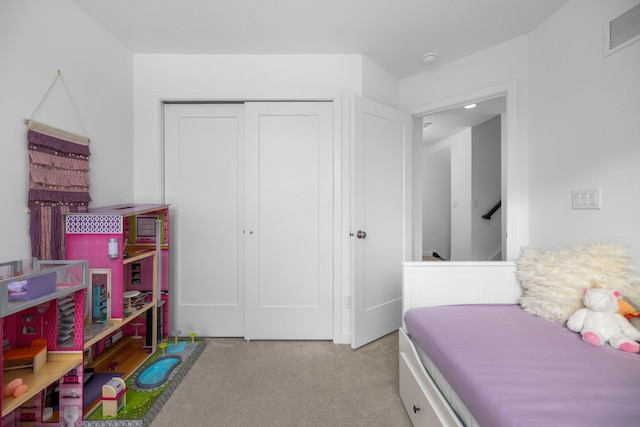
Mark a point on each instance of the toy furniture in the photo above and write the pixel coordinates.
(44, 360)
(15, 388)
(36, 353)
(71, 414)
(114, 396)
(129, 295)
(136, 336)
(470, 355)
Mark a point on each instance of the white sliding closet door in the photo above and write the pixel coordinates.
(288, 225)
(204, 182)
(251, 193)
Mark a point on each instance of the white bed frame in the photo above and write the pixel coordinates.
(444, 283)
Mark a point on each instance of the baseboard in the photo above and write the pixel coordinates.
(344, 338)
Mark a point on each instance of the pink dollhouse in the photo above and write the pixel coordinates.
(130, 242)
(36, 298)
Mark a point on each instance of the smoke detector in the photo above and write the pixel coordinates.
(429, 58)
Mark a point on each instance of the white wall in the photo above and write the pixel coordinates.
(250, 77)
(436, 202)
(584, 128)
(38, 37)
(502, 63)
(461, 184)
(378, 85)
(577, 122)
(227, 77)
(486, 235)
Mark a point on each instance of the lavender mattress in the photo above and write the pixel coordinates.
(511, 368)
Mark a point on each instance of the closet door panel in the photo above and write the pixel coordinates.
(203, 185)
(288, 218)
(289, 221)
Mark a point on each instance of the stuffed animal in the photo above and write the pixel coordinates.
(600, 322)
(627, 309)
(629, 313)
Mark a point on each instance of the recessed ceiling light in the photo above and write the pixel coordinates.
(469, 106)
(429, 58)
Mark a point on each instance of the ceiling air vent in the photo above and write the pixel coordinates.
(622, 30)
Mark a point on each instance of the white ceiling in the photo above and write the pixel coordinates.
(392, 33)
(443, 124)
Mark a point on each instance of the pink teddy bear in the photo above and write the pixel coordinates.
(599, 321)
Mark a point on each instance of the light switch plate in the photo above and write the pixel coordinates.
(587, 199)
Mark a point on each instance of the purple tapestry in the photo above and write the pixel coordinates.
(58, 184)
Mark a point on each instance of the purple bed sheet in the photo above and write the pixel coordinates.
(511, 368)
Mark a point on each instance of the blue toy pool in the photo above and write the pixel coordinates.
(158, 372)
(172, 348)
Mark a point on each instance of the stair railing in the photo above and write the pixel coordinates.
(493, 210)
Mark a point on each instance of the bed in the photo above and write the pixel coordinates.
(452, 373)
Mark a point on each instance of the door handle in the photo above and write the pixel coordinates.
(361, 234)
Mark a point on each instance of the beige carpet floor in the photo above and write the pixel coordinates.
(289, 383)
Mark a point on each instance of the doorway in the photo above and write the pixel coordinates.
(496, 107)
(462, 183)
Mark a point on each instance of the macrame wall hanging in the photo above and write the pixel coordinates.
(58, 181)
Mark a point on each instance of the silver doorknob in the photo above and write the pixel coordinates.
(361, 234)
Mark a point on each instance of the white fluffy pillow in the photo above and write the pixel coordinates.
(552, 279)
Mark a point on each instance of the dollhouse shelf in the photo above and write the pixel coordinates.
(136, 254)
(58, 364)
(96, 332)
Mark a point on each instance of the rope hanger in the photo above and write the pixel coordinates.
(31, 124)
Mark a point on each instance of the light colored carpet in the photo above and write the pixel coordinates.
(289, 383)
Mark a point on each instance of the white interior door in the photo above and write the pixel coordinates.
(288, 225)
(382, 210)
(204, 185)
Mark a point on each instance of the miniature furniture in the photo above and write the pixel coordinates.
(136, 336)
(30, 334)
(129, 295)
(15, 387)
(71, 414)
(36, 353)
(114, 396)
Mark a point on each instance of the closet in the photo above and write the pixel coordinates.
(251, 190)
